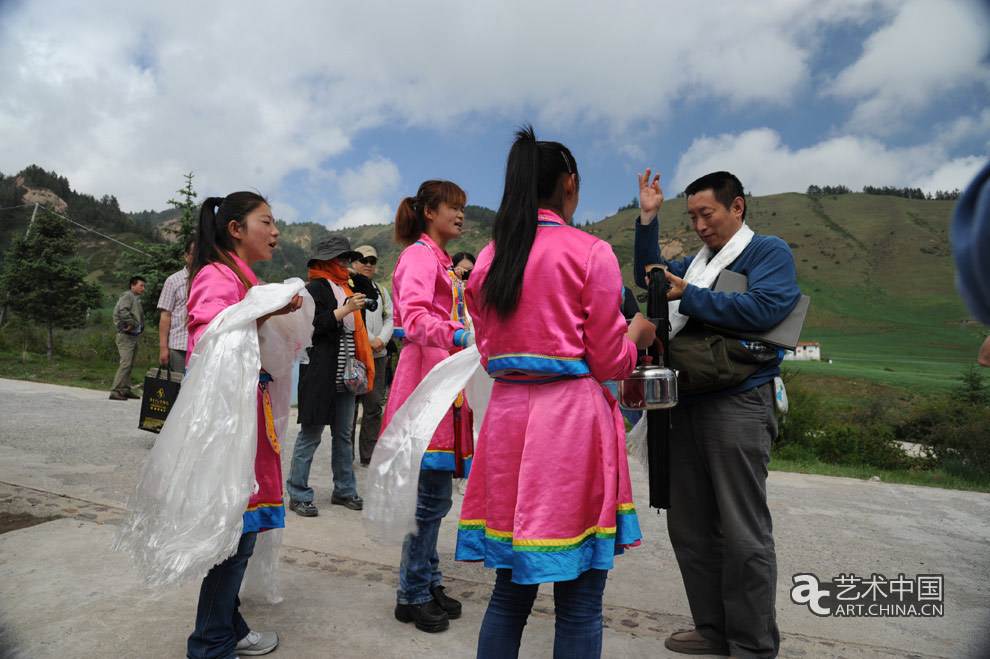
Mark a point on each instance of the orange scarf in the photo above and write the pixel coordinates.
(339, 275)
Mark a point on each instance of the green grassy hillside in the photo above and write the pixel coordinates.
(878, 268)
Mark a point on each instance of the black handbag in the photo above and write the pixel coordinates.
(158, 397)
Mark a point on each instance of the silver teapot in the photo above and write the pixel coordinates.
(649, 388)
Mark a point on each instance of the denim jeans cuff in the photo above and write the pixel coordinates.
(415, 600)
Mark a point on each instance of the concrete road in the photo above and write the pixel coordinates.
(72, 455)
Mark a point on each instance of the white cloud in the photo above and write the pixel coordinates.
(951, 175)
(249, 92)
(967, 129)
(767, 166)
(361, 214)
(124, 97)
(284, 211)
(374, 179)
(364, 191)
(931, 47)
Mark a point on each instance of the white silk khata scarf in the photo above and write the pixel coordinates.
(705, 268)
(185, 514)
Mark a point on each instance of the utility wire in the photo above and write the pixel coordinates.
(82, 227)
(139, 251)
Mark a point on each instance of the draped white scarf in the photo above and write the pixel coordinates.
(705, 268)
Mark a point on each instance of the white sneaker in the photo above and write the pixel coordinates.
(255, 644)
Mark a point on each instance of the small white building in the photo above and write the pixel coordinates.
(806, 351)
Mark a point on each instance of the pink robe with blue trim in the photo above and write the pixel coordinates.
(549, 495)
(421, 304)
(215, 288)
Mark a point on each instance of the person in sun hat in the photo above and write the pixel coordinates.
(338, 333)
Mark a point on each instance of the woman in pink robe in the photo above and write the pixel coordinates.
(429, 314)
(549, 498)
(235, 232)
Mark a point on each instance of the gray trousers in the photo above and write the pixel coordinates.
(177, 360)
(719, 522)
(127, 346)
(371, 418)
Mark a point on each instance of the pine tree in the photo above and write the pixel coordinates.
(189, 219)
(162, 259)
(44, 280)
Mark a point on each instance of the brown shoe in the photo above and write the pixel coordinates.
(131, 394)
(690, 641)
(116, 395)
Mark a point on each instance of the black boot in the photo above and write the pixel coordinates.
(448, 604)
(428, 616)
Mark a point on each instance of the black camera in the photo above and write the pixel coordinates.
(369, 304)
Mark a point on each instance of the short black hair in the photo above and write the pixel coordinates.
(460, 256)
(136, 279)
(724, 185)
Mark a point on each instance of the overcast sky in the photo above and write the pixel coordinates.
(337, 110)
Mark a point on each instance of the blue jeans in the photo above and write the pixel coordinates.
(219, 624)
(420, 566)
(577, 605)
(341, 453)
(632, 416)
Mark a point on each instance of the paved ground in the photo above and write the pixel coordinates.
(72, 455)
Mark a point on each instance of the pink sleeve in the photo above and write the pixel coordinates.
(414, 287)
(214, 289)
(610, 355)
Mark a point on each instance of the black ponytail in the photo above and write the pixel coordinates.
(534, 175)
(213, 239)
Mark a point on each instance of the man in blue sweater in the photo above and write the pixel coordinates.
(719, 523)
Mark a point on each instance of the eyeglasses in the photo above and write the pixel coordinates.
(369, 260)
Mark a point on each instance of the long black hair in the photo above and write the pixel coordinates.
(213, 240)
(534, 177)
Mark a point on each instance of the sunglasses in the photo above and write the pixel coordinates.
(369, 260)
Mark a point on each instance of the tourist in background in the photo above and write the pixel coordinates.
(379, 325)
(324, 400)
(173, 337)
(128, 318)
(463, 264)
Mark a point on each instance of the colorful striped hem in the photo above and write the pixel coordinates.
(264, 516)
(443, 460)
(544, 560)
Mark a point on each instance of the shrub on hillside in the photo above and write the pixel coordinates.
(950, 428)
(812, 431)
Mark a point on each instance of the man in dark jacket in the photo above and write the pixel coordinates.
(322, 399)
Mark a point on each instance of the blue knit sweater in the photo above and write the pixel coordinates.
(768, 265)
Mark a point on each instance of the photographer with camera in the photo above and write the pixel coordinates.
(340, 360)
(378, 321)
